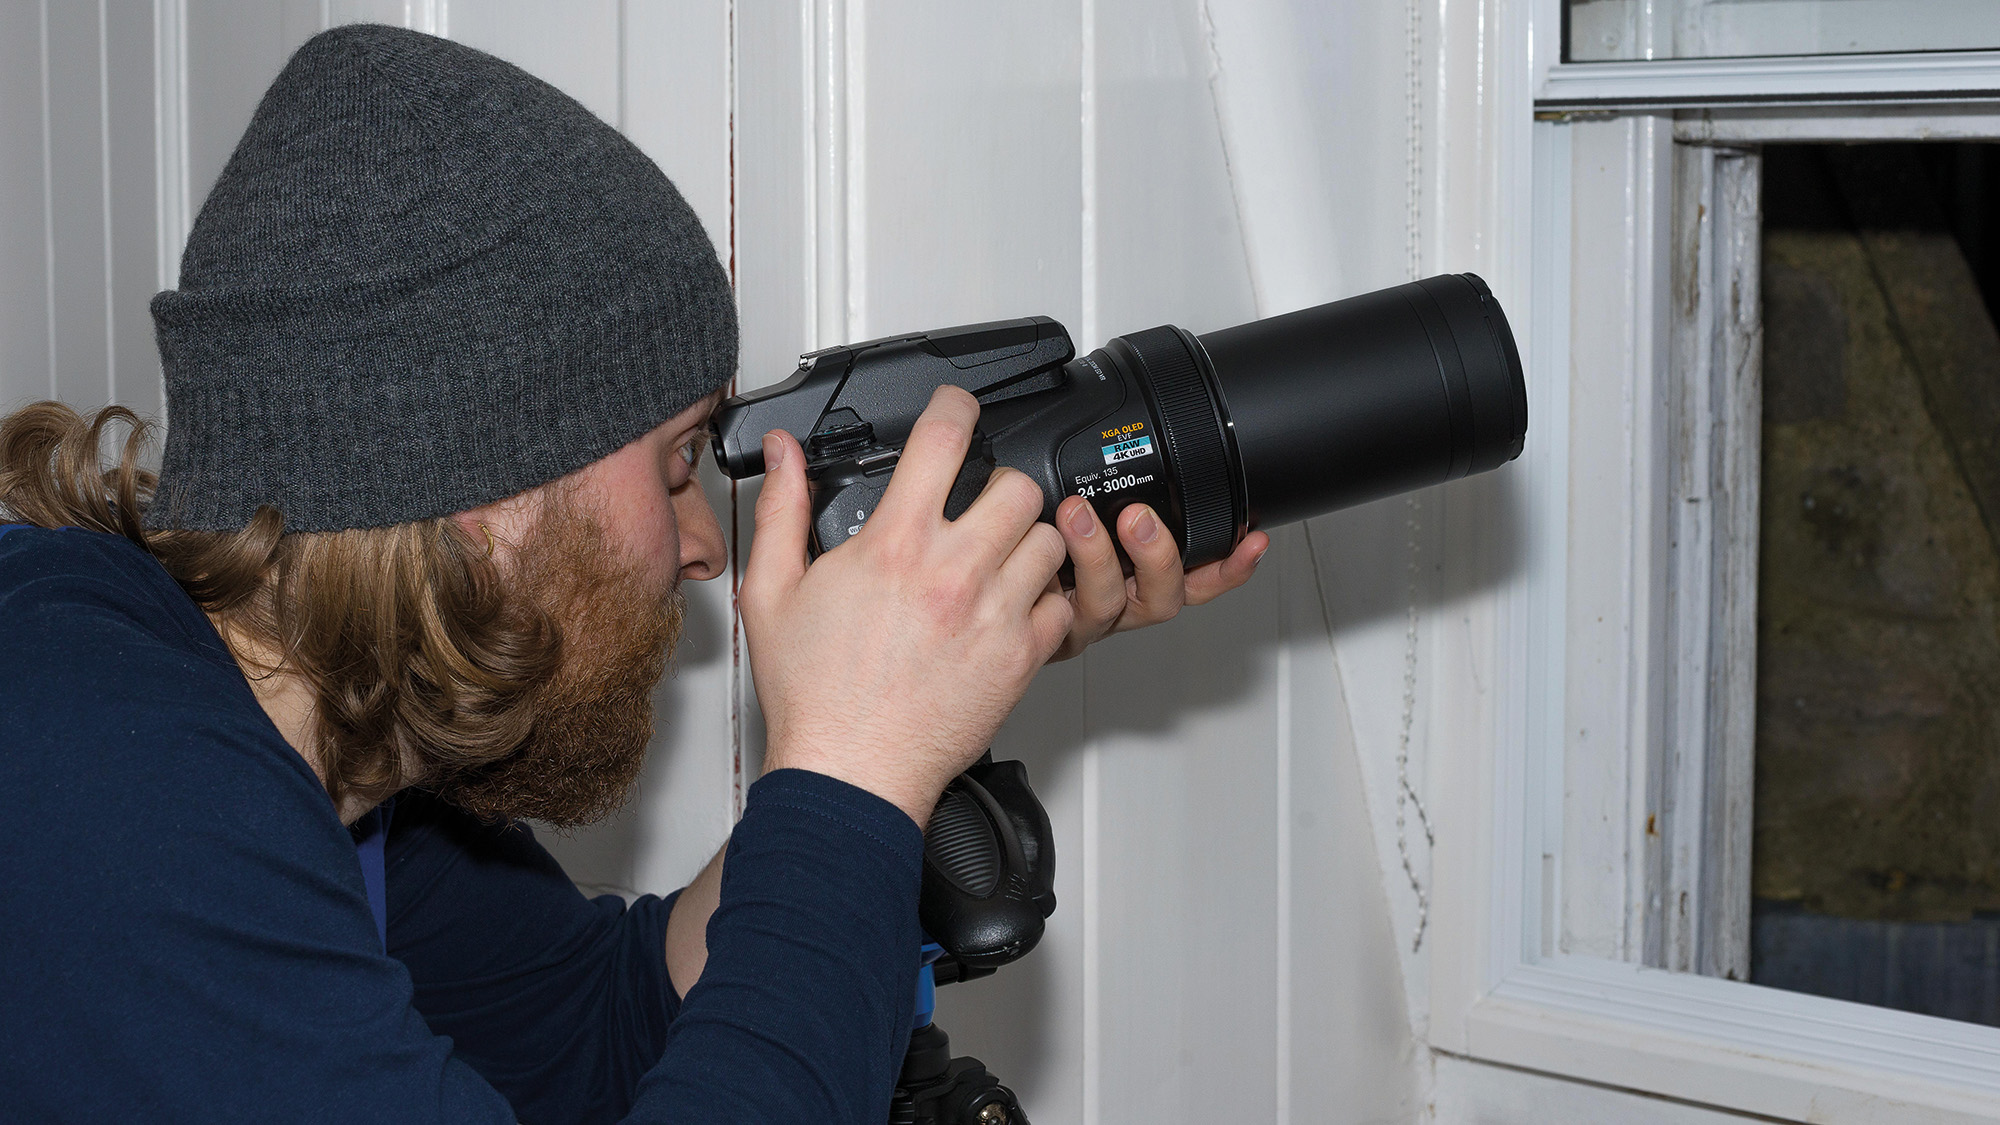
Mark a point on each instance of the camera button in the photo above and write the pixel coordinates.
(878, 460)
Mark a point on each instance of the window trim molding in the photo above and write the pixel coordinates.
(1499, 990)
(1917, 76)
(1705, 758)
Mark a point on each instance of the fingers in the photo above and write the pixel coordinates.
(1010, 503)
(931, 458)
(1205, 583)
(784, 518)
(1051, 620)
(1100, 579)
(1158, 587)
(1026, 573)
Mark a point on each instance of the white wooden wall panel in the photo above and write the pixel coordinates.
(79, 250)
(675, 102)
(25, 364)
(76, 182)
(131, 211)
(1169, 248)
(1323, 109)
(774, 189)
(234, 48)
(1346, 1045)
(964, 191)
(574, 45)
(1183, 716)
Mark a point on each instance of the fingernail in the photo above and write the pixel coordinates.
(1145, 529)
(1259, 556)
(1082, 522)
(774, 452)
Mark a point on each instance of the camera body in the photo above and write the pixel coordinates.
(1075, 426)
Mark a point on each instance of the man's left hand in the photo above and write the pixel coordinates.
(1106, 601)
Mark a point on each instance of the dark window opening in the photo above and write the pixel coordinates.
(1876, 859)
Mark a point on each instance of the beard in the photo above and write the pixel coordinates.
(593, 716)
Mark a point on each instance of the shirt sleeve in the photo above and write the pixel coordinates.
(803, 1010)
(560, 1001)
(564, 1004)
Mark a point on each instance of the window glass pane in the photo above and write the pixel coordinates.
(1606, 30)
(1876, 860)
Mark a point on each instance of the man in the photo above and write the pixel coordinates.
(439, 370)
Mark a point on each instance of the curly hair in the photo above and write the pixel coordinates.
(420, 667)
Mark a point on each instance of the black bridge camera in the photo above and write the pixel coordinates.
(1249, 427)
(1253, 426)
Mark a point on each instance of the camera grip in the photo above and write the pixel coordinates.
(839, 510)
(846, 491)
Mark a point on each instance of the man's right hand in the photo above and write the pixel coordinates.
(892, 660)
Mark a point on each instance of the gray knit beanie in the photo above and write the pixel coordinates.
(425, 281)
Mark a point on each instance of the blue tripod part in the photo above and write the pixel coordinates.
(926, 983)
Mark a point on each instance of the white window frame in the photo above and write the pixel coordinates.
(1803, 80)
(1914, 76)
(1604, 651)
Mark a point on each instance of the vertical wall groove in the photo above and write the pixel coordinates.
(1088, 111)
(1282, 1016)
(171, 214)
(170, 150)
(1093, 927)
(854, 164)
(104, 199)
(622, 83)
(48, 198)
(831, 270)
(738, 668)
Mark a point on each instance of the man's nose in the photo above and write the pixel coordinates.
(703, 553)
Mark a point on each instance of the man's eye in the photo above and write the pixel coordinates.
(691, 452)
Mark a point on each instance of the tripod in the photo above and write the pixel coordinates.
(989, 875)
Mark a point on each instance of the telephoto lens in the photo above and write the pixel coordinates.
(1266, 423)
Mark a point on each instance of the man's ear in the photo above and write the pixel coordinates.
(471, 523)
(500, 527)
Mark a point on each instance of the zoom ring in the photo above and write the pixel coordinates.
(1191, 429)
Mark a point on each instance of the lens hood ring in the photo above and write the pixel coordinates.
(1194, 431)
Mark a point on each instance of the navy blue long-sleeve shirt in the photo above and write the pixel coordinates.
(185, 933)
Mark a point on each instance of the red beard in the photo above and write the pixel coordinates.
(594, 715)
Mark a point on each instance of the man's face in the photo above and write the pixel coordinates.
(651, 505)
(602, 553)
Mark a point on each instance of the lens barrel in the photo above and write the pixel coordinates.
(1294, 416)
(1378, 394)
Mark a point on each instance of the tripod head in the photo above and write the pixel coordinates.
(989, 868)
(936, 1089)
(988, 889)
